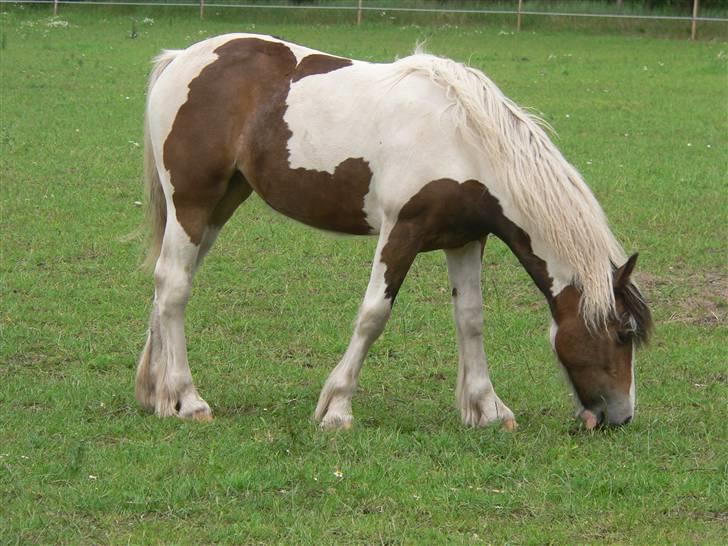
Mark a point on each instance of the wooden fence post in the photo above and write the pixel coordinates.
(202, 9)
(55, 8)
(518, 21)
(693, 28)
(358, 13)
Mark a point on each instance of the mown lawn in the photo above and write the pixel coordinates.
(645, 121)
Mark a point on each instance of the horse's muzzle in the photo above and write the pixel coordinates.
(599, 418)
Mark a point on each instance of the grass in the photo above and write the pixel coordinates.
(645, 121)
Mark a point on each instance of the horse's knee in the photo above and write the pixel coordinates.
(469, 319)
(372, 318)
(173, 290)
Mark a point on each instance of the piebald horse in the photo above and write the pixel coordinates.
(425, 153)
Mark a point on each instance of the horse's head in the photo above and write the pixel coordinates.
(599, 362)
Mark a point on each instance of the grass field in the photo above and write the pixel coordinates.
(644, 120)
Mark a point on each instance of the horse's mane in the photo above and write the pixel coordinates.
(550, 195)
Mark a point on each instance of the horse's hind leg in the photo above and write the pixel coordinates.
(175, 391)
(164, 381)
(393, 258)
(478, 402)
(146, 374)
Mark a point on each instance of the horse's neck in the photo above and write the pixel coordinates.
(548, 273)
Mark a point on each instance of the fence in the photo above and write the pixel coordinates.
(361, 7)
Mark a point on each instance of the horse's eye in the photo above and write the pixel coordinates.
(626, 329)
(624, 336)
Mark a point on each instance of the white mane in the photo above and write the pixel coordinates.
(549, 193)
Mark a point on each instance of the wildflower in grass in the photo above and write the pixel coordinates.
(338, 473)
(57, 23)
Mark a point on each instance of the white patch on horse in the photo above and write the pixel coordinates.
(551, 197)
(416, 139)
(478, 402)
(398, 126)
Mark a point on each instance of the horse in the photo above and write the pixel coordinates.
(426, 154)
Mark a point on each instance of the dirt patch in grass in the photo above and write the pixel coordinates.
(696, 298)
(719, 516)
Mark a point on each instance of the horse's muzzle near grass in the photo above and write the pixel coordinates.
(423, 152)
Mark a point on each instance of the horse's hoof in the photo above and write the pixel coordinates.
(487, 411)
(203, 416)
(196, 411)
(337, 422)
(510, 425)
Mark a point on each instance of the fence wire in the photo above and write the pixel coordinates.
(363, 7)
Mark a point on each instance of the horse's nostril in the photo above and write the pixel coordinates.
(627, 420)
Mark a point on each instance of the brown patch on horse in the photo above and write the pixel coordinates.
(334, 202)
(233, 119)
(448, 214)
(319, 63)
(238, 190)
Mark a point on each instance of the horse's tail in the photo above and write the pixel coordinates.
(156, 203)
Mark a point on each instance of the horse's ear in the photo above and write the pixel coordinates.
(622, 275)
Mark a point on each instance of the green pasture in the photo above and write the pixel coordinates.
(644, 119)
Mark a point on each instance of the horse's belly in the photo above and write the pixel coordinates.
(333, 202)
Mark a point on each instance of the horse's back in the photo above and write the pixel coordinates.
(328, 141)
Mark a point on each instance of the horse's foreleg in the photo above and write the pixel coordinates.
(478, 402)
(393, 257)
